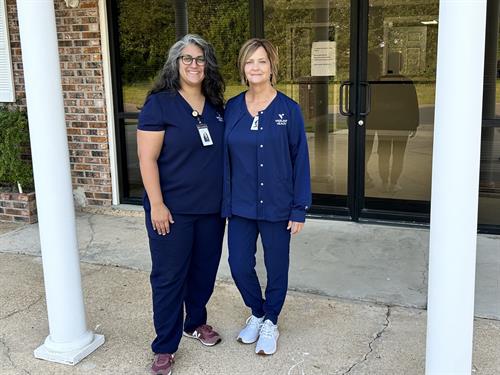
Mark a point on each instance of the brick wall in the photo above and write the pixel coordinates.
(19, 208)
(80, 55)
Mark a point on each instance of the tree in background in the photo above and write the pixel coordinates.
(147, 30)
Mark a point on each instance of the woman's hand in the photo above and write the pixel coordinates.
(161, 218)
(294, 227)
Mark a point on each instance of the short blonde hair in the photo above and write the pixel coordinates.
(249, 47)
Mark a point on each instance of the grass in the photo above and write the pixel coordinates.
(134, 94)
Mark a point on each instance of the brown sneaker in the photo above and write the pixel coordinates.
(162, 364)
(205, 334)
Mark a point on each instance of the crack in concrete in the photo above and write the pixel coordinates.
(11, 232)
(86, 249)
(424, 272)
(426, 269)
(93, 271)
(22, 310)
(377, 336)
(6, 352)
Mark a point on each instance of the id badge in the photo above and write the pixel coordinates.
(205, 137)
(255, 123)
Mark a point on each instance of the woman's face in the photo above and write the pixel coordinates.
(191, 74)
(258, 67)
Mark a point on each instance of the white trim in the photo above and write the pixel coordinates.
(108, 96)
(7, 88)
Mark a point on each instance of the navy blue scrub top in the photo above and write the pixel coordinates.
(242, 143)
(266, 171)
(190, 173)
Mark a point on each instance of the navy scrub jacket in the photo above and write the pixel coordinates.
(282, 190)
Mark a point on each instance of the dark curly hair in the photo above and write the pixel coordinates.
(213, 85)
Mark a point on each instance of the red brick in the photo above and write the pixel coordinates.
(81, 74)
(98, 139)
(6, 218)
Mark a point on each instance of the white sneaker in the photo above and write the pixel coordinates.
(250, 333)
(268, 338)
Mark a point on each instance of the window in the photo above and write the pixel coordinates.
(6, 78)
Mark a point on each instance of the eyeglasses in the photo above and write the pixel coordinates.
(188, 59)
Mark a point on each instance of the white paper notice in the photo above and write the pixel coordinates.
(323, 58)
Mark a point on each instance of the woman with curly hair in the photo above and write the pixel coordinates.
(180, 147)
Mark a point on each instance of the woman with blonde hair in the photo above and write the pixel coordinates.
(266, 188)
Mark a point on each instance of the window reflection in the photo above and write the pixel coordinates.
(146, 32)
(402, 42)
(489, 179)
(393, 119)
(313, 39)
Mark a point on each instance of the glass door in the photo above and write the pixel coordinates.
(397, 89)
(314, 38)
(489, 178)
(363, 72)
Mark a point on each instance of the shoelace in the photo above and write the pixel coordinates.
(254, 322)
(267, 330)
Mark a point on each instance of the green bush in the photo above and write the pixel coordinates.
(15, 167)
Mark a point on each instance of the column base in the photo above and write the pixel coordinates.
(71, 357)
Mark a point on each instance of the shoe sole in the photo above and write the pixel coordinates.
(240, 340)
(161, 372)
(185, 334)
(263, 353)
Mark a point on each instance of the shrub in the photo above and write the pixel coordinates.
(15, 165)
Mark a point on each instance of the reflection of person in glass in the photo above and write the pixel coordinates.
(394, 117)
(183, 182)
(267, 188)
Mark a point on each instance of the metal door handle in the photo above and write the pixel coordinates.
(368, 98)
(343, 86)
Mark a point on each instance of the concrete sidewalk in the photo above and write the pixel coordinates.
(327, 334)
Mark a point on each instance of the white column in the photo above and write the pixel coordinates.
(455, 186)
(69, 339)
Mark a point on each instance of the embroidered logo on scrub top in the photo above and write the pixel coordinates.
(219, 117)
(281, 121)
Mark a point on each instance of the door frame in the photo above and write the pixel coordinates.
(382, 209)
(391, 211)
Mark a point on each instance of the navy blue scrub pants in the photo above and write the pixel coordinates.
(242, 244)
(184, 267)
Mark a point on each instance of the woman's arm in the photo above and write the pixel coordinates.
(149, 144)
(299, 155)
